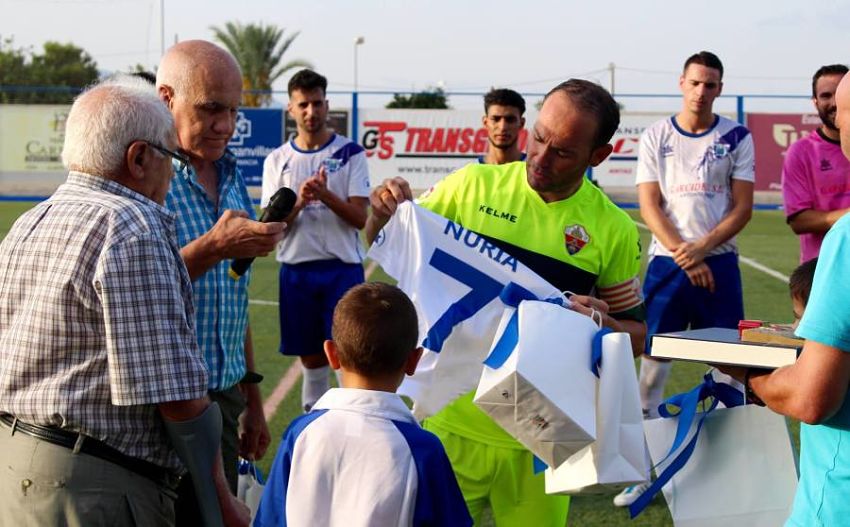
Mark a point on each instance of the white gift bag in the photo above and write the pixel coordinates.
(541, 390)
(742, 469)
(617, 458)
(249, 486)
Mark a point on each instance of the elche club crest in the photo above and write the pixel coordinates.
(575, 238)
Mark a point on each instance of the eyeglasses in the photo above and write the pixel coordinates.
(182, 161)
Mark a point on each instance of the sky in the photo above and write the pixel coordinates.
(768, 47)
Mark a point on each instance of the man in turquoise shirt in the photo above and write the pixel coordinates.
(814, 389)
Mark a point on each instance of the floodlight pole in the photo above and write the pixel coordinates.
(161, 28)
(354, 103)
(357, 42)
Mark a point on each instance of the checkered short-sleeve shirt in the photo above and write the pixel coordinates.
(96, 318)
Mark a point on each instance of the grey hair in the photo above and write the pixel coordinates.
(107, 117)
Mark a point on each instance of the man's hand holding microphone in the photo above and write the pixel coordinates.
(279, 207)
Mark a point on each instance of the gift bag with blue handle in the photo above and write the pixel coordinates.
(617, 458)
(720, 466)
(537, 383)
(250, 485)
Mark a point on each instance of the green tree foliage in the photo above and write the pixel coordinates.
(259, 50)
(59, 71)
(433, 98)
(13, 68)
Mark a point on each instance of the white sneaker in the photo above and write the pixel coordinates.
(630, 494)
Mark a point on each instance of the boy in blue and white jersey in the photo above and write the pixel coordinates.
(359, 458)
(320, 255)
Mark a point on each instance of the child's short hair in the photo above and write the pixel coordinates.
(375, 329)
(801, 280)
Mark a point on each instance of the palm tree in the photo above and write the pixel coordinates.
(259, 50)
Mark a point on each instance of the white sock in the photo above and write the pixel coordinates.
(314, 385)
(653, 377)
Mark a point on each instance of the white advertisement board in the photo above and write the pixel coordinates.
(619, 169)
(423, 146)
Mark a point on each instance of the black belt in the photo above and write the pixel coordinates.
(159, 475)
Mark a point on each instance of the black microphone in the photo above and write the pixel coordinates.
(279, 208)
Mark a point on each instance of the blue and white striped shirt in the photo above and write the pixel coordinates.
(221, 304)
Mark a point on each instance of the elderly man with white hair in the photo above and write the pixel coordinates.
(101, 379)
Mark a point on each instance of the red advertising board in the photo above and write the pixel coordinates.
(773, 133)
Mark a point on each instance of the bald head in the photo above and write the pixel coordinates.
(194, 61)
(202, 85)
(842, 113)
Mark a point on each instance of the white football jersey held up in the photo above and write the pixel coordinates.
(454, 278)
(317, 233)
(695, 173)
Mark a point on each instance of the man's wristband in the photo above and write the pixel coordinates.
(251, 377)
(751, 395)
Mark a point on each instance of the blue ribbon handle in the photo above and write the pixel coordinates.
(512, 295)
(538, 465)
(248, 467)
(687, 404)
(596, 350)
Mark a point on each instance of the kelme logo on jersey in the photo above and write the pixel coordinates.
(490, 211)
(575, 238)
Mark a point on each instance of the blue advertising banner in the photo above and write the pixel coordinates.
(258, 132)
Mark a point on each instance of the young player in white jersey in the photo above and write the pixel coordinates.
(695, 187)
(320, 255)
(359, 458)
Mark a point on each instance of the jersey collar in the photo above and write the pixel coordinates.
(385, 405)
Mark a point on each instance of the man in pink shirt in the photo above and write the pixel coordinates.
(815, 175)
